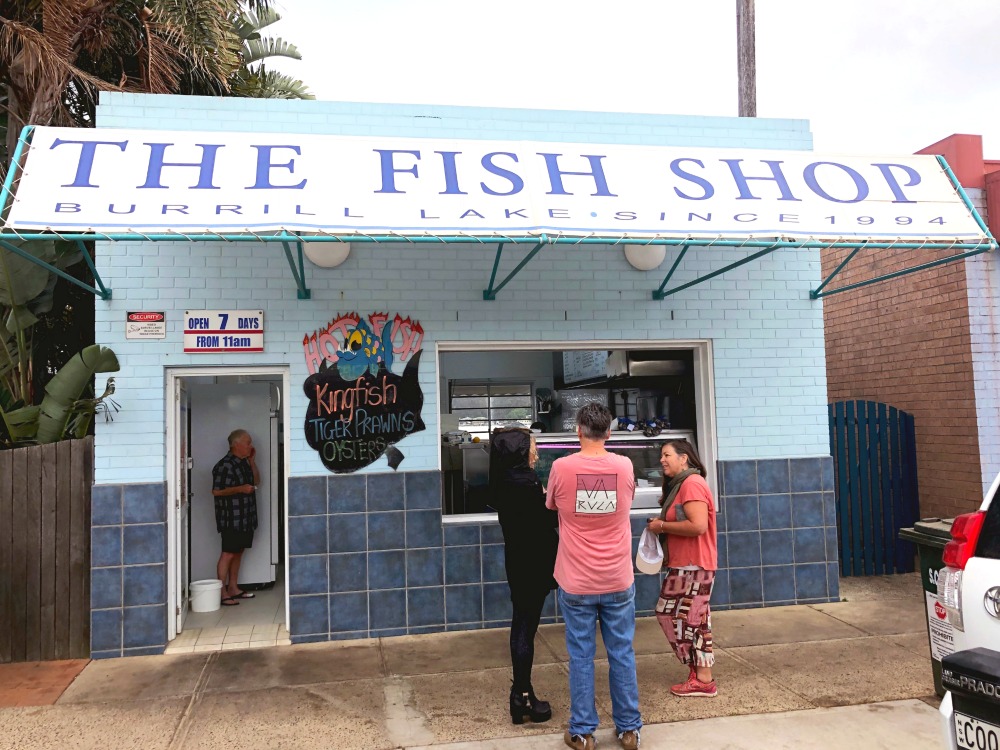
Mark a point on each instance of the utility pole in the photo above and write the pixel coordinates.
(746, 57)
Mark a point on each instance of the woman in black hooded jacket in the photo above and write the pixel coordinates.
(530, 542)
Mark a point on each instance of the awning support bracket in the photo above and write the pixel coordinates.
(491, 293)
(670, 273)
(817, 294)
(659, 294)
(100, 290)
(298, 269)
(105, 293)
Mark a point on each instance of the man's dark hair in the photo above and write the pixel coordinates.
(594, 420)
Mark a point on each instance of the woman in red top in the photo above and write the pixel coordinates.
(687, 527)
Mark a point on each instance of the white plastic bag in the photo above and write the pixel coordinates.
(649, 556)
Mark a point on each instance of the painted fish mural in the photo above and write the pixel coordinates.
(358, 408)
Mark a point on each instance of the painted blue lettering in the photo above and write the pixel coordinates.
(178, 207)
(789, 218)
(249, 323)
(705, 185)
(745, 217)
(692, 217)
(389, 170)
(890, 178)
(111, 209)
(450, 173)
(195, 323)
(67, 208)
(809, 174)
(558, 213)
(742, 180)
(86, 163)
(596, 171)
(231, 207)
(472, 212)
(206, 166)
(625, 215)
(300, 212)
(508, 213)
(423, 214)
(206, 342)
(516, 183)
(265, 165)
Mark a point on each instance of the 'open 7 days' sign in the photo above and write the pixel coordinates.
(223, 331)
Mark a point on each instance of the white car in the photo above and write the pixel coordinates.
(969, 588)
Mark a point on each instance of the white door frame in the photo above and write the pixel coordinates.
(173, 374)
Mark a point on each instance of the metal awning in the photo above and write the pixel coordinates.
(38, 173)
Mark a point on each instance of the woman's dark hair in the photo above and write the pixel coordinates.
(684, 448)
(594, 419)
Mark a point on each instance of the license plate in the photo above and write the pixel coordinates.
(974, 734)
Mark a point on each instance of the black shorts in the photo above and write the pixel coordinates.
(236, 541)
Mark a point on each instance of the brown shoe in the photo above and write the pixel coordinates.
(630, 739)
(579, 741)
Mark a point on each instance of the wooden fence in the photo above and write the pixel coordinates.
(875, 479)
(45, 551)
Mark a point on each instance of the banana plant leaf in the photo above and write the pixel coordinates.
(22, 424)
(66, 388)
(26, 288)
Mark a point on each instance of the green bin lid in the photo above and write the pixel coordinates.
(938, 527)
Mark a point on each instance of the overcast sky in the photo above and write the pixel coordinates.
(887, 76)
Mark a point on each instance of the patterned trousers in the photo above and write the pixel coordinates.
(683, 612)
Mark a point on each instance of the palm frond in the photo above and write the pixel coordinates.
(255, 50)
(258, 83)
(248, 24)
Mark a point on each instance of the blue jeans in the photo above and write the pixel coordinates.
(616, 613)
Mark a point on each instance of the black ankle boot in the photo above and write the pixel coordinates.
(524, 704)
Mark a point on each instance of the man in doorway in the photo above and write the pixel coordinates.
(592, 491)
(234, 481)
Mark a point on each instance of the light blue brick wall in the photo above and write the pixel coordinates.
(767, 335)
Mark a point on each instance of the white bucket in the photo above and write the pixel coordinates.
(206, 596)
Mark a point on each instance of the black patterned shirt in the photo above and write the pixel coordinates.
(234, 512)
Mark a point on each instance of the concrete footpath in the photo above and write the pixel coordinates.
(852, 674)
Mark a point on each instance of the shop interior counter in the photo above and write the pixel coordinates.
(466, 466)
(644, 452)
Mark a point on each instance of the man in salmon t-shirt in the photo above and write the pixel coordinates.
(592, 491)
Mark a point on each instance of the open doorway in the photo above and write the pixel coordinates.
(206, 404)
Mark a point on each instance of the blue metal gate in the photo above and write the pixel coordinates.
(875, 479)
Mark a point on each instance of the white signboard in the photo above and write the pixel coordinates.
(207, 331)
(146, 325)
(117, 181)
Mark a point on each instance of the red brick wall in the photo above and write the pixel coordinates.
(906, 342)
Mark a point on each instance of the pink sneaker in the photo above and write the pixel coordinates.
(695, 688)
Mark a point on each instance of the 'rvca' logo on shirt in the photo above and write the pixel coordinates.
(596, 493)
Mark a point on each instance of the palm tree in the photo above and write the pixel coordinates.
(55, 57)
(252, 79)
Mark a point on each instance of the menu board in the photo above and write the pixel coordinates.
(578, 365)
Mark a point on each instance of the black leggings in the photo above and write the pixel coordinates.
(523, 626)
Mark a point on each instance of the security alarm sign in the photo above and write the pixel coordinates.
(207, 331)
(146, 325)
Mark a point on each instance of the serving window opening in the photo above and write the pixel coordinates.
(654, 394)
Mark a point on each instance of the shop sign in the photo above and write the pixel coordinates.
(208, 331)
(110, 180)
(358, 406)
(145, 325)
